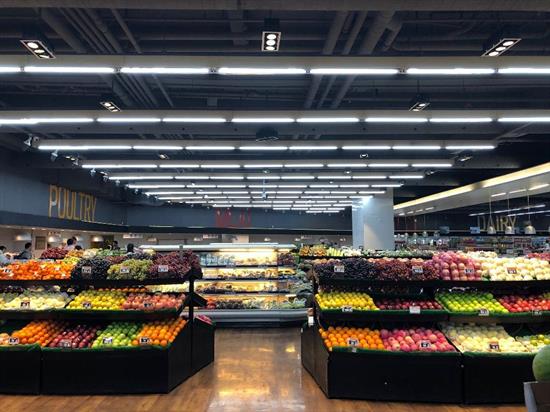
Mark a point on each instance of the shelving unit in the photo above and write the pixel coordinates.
(418, 376)
(142, 369)
(246, 285)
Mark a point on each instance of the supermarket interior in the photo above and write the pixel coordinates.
(274, 205)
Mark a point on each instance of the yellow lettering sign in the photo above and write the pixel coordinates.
(66, 204)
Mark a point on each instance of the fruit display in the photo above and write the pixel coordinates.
(315, 250)
(100, 299)
(415, 339)
(401, 253)
(238, 287)
(130, 269)
(6, 297)
(457, 266)
(351, 337)
(518, 268)
(117, 334)
(541, 365)
(75, 337)
(534, 343)
(37, 270)
(37, 300)
(173, 265)
(54, 253)
(405, 269)
(541, 255)
(407, 304)
(518, 304)
(478, 338)
(481, 303)
(285, 259)
(159, 332)
(241, 273)
(273, 302)
(161, 301)
(39, 332)
(345, 301)
(240, 258)
(91, 268)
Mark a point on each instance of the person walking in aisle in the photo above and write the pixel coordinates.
(4, 259)
(70, 244)
(26, 253)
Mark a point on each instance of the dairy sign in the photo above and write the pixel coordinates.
(66, 204)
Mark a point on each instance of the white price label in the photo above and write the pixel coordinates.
(87, 305)
(124, 269)
(469, 271)
(353, 342)
(347, 309)
(108, 341)
(414, 310)
(6, 270)
(25, 304)
(310, 321)
(65, 343)
(147, 305)
(339, 268)
(484, 312)
(13, 341)
(494, 346)
(425, 344)
(537, 312)
(86, 270)
(163, 268)
(417, 269)
(144, 340)
(512, 271)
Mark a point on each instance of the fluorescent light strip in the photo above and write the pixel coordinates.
(62, 119)
(137, 177)
(179, 165)
(209, 148)
(128, 119)
(389, 185)
(352, 71)
(388, 165)
(194, 120)
(208, 192)
(354, 185)
(517, 191)
(288, 192)
(453, 72)
(150, 186)
(10, 69)
(165, 70)
(407, 177)
(290, 177)
(432, 165)
(416, 147)
(157, 147)
(266, 165)
(336, 192)
(260, 71)
(200, 186)
(119, 166)
(375, 147)
(347, 165)
(334, 177)
(67, 69)
(396, 120)
(292, 186)
(238, 192)
(266, 177)
(169, 193)
(539, 186)
(262, 120)
(498, 194)
(80, 148)
(470, 147)
(230, 186)
(304, 165)
(17, 122)
(327, 120)
(192, 177)
(461, 120)
(537, 119)
(263, 148)
(313, 147)
(227, 177)
(324, 186)
(524, 70)
(372, 192)
(219, 166)
(261, 187)
(178, 197)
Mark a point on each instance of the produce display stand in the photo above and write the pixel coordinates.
(417, 376)
(105, 370)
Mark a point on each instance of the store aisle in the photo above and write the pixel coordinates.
(255, 370)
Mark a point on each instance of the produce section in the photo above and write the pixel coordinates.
(71, 321)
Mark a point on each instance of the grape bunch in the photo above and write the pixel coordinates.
(94, 268)
(130, 269)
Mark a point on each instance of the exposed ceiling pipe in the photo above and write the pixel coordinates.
(74, 20)
(64, 32)
(367, 47)
(105, 30)
(394, 28)
(126, 30)
(357, 25)
(85, 21)
(237, 27)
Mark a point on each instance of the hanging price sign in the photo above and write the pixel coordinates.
(87, 304)
(347, 309)
(144, 340)
(512, 271)
(417, 269)
(108, 341)
(425, 344)
(25, 304)
(537, 312)
(163, 268)
(86, 270)
(339, 268)
(124, 269)
(65, 343)
(484, 312)
(469, 271)
(414, 310)
(353, 342)
(13, 341)
(494, 346)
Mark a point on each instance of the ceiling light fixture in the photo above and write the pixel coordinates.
(327, 120)
(407, 177)
(263, 148)
(347, 165)
(262, 120)
(457, 71)
(209, 148)
(260, 71)
(524, 70)
(128, 119)
(68, 69)
(109, 105)
(469, 147)
(396, 120)
(119, 166)
(432, 165)
(352, 71)
(179, 165)
(416, 147)
(194, 120)
(301, 177)
(461, 120)
(220, 166)
(165, 70)
(388, 165)
(539, 186)
(304, 165)
(367, 147)
(157, 147)
(38, 48)
(77, 148)
(265, 165)
(10, 69)
(537, 119)
(500, 47)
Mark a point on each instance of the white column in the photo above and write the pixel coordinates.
(372, 222)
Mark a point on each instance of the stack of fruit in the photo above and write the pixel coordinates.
(482, 303)
(491, 338)
(518, 268)
(345, 301)
(315, 250)
(75, 337)
(38, 300)
(37, 270)
(534, 342)
(136, 269)
(162, 332)
(6, 297)
(457, 266)
(91, 268)
(142, 301)
(543, 256)
(39, 332)
(54, 253)
(100, 299)
(351, 337)
(174, 265)
(415, 339)
(407, 304)
(117, 334)
(515, 303)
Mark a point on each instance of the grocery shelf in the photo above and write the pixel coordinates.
(255, 317)
(544, 317)
(382, 315)
(259, 293)
(367, 257)
(271, 279)
(241, 266)
(99, 315)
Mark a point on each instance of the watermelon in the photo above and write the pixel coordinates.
(541, 365)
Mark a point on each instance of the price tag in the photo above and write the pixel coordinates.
(108, 341)
(144, 340)
(163, 268)
(25, 304)
(414, 310)
(339, 268)
(417, 270)
(425, 344)
(87, 305)
(147, 305)
(484, 312)
(13, 341)
(310, 321)
(353, 342)
(494, 346)
(347, 309)
(512, 271)
(65, 343)
(6, 270)
(124, 269)
(86, 270)
(469, 271)
(537, 313)
(230, 264)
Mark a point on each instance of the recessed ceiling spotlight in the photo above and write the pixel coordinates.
(271, 36)
(110, 105)
(419, 103)
(38, 48)
(500, 47)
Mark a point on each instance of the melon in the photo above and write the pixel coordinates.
(541, 365)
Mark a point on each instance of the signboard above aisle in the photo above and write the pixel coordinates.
(64, 203)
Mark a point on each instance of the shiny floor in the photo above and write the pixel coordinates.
(255, 370)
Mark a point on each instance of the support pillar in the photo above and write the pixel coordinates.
(372, 222)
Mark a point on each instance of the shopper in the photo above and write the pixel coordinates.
(78, 247)
(130, 248)
(4, 259)
(70, 244)
(26, 253)
(115, 245)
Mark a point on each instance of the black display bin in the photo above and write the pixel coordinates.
(495, 378)
(20, 371)
(125, 371)
(422, 377)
